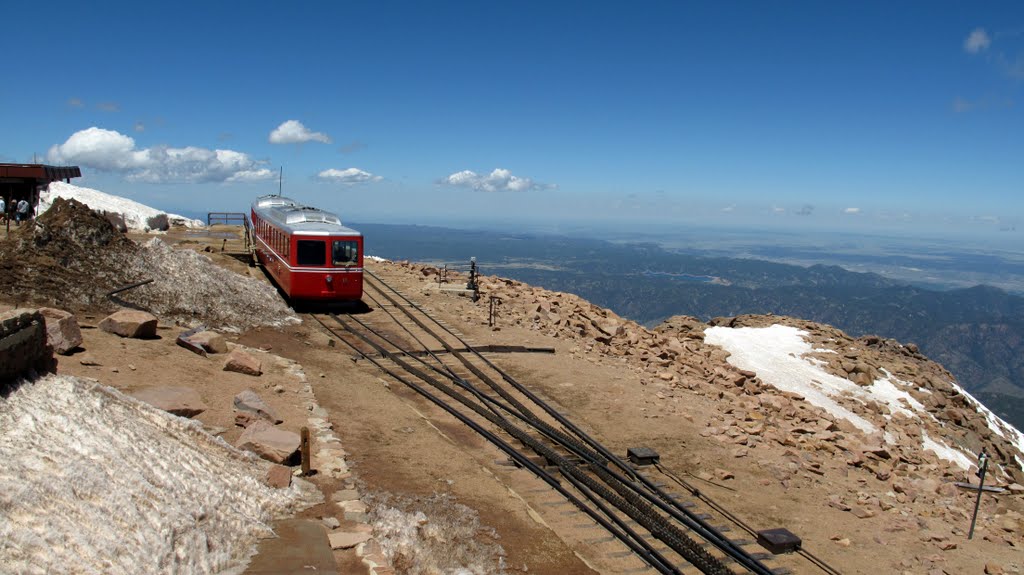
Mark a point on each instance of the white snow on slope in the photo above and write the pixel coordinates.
(997, 424)
(946, 452)
(98, 482)
(777, 353)
(135, 214)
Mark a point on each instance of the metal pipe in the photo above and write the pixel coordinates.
(128, 287)
(982, 468)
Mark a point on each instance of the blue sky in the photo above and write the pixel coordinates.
(873, 116)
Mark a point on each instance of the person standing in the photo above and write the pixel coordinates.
(3, 209)
(22, 213)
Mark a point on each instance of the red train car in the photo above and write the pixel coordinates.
(307, 251)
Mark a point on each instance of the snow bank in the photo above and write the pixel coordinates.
(997, 424)
(777, 355)
(135, 214)
(434, 535)
(191, 289)
(98, 482)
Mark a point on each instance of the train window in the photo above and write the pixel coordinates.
(311, 252)
(345, 253)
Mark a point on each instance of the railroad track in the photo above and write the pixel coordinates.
(657, 531)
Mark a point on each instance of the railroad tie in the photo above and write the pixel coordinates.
(642, 569)
(618, 554)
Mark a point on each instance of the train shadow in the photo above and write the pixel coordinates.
(343, 307)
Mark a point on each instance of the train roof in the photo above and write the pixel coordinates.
(297, 218)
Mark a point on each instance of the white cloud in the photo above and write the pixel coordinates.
(851, 211)
(109, 106)
(499, 180)
(729, 208)
(977, 41)
(348, 176)
(778, 210)
(110, 151)
(251, 175)
(140, 127)
(293, 132)
(75, 103)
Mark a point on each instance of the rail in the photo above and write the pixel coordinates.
(600, 484)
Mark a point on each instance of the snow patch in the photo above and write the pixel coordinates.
(998, 426)
(885, 391)
(434, 534)
(135, 214)
(105, 483)
(776, 354)
(946, 452)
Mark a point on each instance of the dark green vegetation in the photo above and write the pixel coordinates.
(977, 333)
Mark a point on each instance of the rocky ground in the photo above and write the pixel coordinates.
(436, 497)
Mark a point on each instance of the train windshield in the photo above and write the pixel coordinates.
(311, 252)
(346, 253)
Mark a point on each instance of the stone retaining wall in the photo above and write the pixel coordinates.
(23, 345)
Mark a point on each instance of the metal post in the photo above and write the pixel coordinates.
(472, 279)
(493, 301)
(304, 450)
(982, 467)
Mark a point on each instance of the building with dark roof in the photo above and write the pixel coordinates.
(24, 181)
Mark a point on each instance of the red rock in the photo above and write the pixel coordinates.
(211, 341)
(861, 513)
(181, 401)
(62, 332)
(279, 476)
(248, 401)
(350, 538)
(246, 418)
(242, 362)
(270, 443)
(130, 323)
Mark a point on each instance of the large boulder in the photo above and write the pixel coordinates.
(181, 401)
(62, 331)
(270, 443)
(130, 323)
(242, 362)
(248, 402)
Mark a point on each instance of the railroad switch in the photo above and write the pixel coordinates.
(778, 541)
(642, 456)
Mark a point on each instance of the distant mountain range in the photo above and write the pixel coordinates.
(977, 333)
